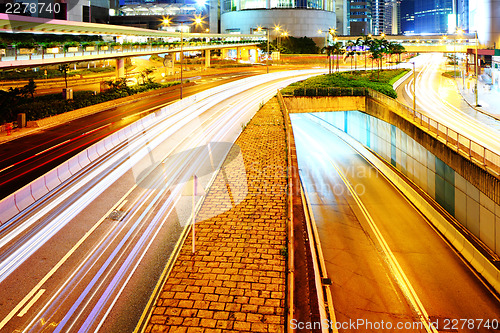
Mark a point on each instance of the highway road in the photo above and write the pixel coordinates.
(87, 257)
(25, 159)
(438, 97)
(386, 263)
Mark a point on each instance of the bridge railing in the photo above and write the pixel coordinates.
(458, 142)
(12, 54)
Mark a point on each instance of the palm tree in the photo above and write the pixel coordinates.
(351, 50)
(398, 49)
(63, 68)
(338, 49)
(384, 49)
(328, 50)
(365, 42)
(376, 51)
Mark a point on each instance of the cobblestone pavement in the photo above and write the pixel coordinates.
(236, 280)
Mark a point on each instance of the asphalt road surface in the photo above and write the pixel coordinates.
(87, 257)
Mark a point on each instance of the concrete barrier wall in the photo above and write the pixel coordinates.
(473, 209)
(325, 104)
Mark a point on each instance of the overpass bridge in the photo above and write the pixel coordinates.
(454, 43)
(245, 45)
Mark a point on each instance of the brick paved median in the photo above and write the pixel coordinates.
(236, 279)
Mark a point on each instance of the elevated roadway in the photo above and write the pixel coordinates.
(54, 59)
(442, 43)
(25, 159)
(34, 25)
(100, 241)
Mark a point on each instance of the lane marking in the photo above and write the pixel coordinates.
(60, 263)
(396, 269)
(30, 304)
(121, 205)
(394, 266)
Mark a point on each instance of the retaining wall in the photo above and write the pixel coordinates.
(460, 198)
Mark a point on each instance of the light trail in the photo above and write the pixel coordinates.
(215, 117)
(431, 101)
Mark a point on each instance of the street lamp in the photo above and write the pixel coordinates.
(455, 61)
(267, 55)
(277, 29)
(476, 71)
(198, 20)
(414, 89)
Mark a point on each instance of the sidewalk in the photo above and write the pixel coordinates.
(488, 96)
(236, 280)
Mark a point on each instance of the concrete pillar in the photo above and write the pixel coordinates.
(238, 54)
(120, 67)
(207, 58)
(168, 63)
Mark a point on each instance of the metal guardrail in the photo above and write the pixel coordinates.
(463, 145)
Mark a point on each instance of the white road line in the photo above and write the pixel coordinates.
(30, 304)
(59, 264)
(396, 269)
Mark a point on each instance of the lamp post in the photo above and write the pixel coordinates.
(182, 57)
(476, 71)
(414, 89)
(198, 20)
(455, 60)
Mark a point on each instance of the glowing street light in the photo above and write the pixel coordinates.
(476, 71)
(198, 20)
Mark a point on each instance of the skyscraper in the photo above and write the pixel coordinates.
(407, 16)
(360, 17)
(431, 16)
(378, 7)
(392, 18)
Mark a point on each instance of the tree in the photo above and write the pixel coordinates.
(118, 84)
(351, 51)
(365, 42)
(144, 74)
(63, 68)
(328, 50)
(376, 52)
(338, 49)
(398, 49)
(30, 88)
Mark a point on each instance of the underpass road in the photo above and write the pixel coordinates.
(364, 283)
